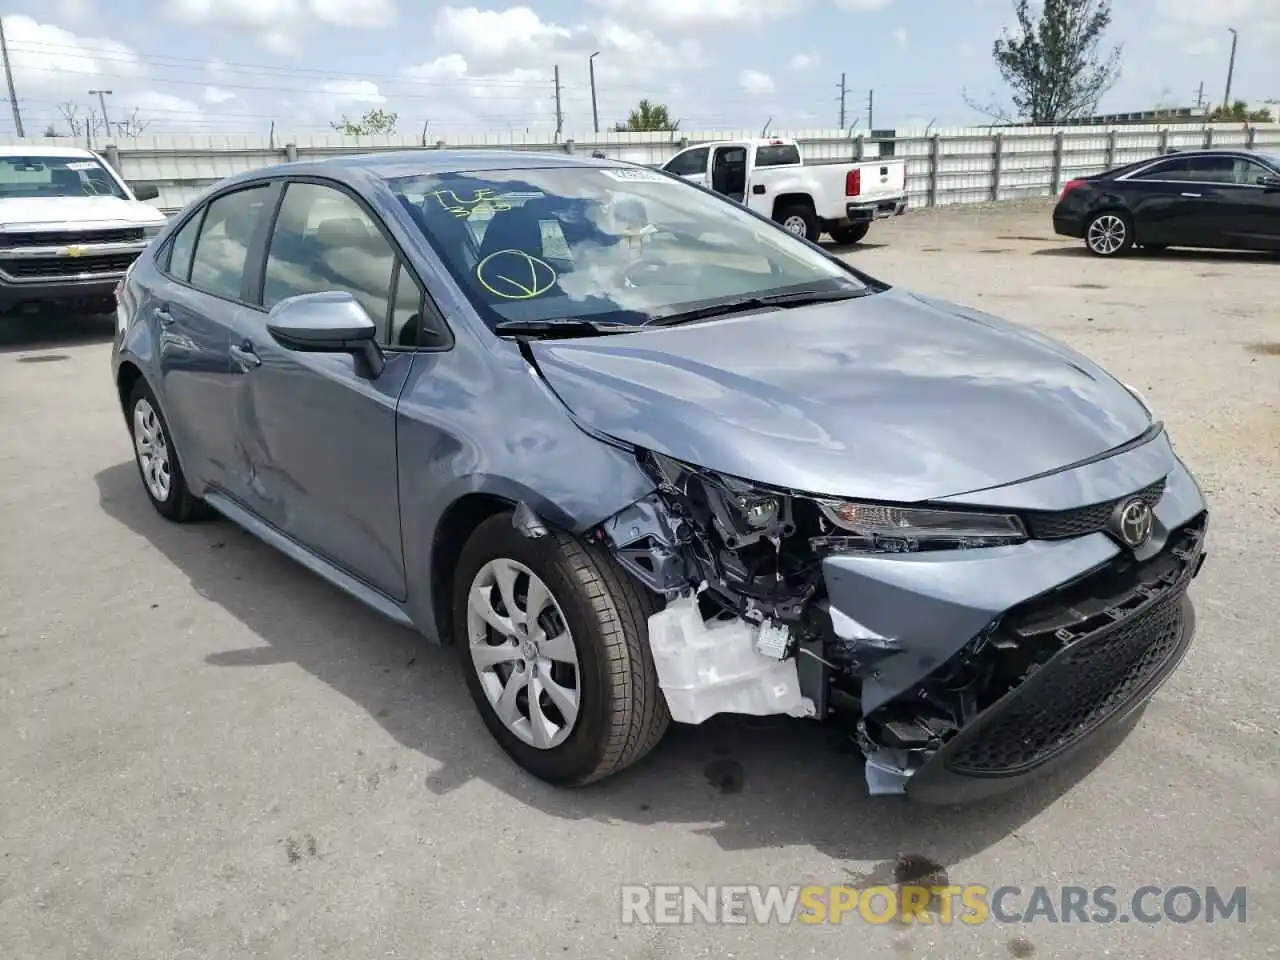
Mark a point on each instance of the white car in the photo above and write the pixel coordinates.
(770, 177)
(69, 228)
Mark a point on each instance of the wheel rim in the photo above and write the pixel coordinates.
(153, 450)
(523, 652)
(795, 224)
(1107, 234)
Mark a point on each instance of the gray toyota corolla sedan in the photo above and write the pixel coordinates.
(642, 456)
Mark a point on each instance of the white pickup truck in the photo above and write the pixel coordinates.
(69, 228)
(769, 175)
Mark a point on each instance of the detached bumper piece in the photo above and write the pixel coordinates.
(1073, 663)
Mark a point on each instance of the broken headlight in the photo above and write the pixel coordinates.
(882, 528)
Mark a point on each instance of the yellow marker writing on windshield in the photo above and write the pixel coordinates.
(515, 275)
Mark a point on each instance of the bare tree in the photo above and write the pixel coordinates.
(70, 113)
(132, 125)
(1054, 65)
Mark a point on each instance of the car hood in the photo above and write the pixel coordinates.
(890, 396)
(80, 211)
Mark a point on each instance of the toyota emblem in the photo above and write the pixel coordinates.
(1133, 522)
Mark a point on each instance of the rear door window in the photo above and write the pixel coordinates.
(226, 234)
(787, 155)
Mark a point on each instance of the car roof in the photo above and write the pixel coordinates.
(76, 153)
(424, 162)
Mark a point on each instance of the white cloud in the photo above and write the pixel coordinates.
(495, 38)
(804, 61)
(1220, 13)
(279, 25)
(900, 36)
(704, 14)
(216, 96)
(351, 92)
(863, 5)
(755, 82)
(49, 60)
(966, 50)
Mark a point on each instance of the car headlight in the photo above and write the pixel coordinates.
(1139, 396)
(152, 231)
(882, 528)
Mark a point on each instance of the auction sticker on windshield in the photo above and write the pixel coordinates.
(637, 176)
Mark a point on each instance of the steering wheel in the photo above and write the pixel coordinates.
(648, 268)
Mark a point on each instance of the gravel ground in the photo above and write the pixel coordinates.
(206, 752)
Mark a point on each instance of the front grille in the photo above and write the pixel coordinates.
(63, 238)
(36, 268)
(1080, 521)
(1109, 647)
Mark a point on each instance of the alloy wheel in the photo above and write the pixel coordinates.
(1107, 234)
(153, 451)
(523, 652)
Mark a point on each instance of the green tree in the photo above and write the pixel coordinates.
(374, 123)
(1239, 112)
(648, 116)
(1054, 63)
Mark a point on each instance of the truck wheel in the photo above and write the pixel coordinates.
(799, 219)
(852, 233)
(554, 641)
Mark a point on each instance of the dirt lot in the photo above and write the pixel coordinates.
(206, 752)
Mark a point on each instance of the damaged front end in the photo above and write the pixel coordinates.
(959, 647)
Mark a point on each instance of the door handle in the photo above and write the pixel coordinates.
(1193, 194)
(244, 355)
(163, 315)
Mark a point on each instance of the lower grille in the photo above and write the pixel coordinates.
(61, 238)
(1079, 521)
(1097, 671)
(32, 268)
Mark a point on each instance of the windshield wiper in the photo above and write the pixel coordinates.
(567, 328)
(727, 307)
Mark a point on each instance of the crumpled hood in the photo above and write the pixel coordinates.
(81, 211)
(891, 396)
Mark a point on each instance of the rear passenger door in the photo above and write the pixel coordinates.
(207, 264)
(1165, 205)
(321, 438)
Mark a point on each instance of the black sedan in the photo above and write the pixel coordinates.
(1228, 199)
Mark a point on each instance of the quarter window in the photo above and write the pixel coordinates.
(1167, 170)
(183, 246)
(218, 265)
(1247, 172)
(323, 240)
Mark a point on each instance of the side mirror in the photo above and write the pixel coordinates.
(146, 191)
(332, 321)
(1271, 184)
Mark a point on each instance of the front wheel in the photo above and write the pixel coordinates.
(554, 642)
(851, 233)
(1109, 234)
(799, 219)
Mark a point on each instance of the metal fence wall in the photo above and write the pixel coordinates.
(944, 166)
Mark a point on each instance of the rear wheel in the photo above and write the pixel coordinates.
(157, 459)
(553, 638)
(851, 233)
(1109, 234)
(799, 219)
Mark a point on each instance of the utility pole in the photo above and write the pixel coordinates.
(102, 102)
(1200, 97)
(559, 115)
(843, 91)
(595, 113)
(8, 76)
(1231, 68)
(871, 109)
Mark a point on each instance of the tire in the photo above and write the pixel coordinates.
(798, 217)
(166, 488)
(621, 713)
(1109, 234)
(852, 233)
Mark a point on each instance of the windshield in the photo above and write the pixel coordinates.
(56, 177)
(611, 245)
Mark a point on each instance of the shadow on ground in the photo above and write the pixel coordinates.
(1174, 256)
(746, 783)
(834, 247)
(25, 333)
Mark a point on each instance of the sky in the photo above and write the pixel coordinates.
(237, 66)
